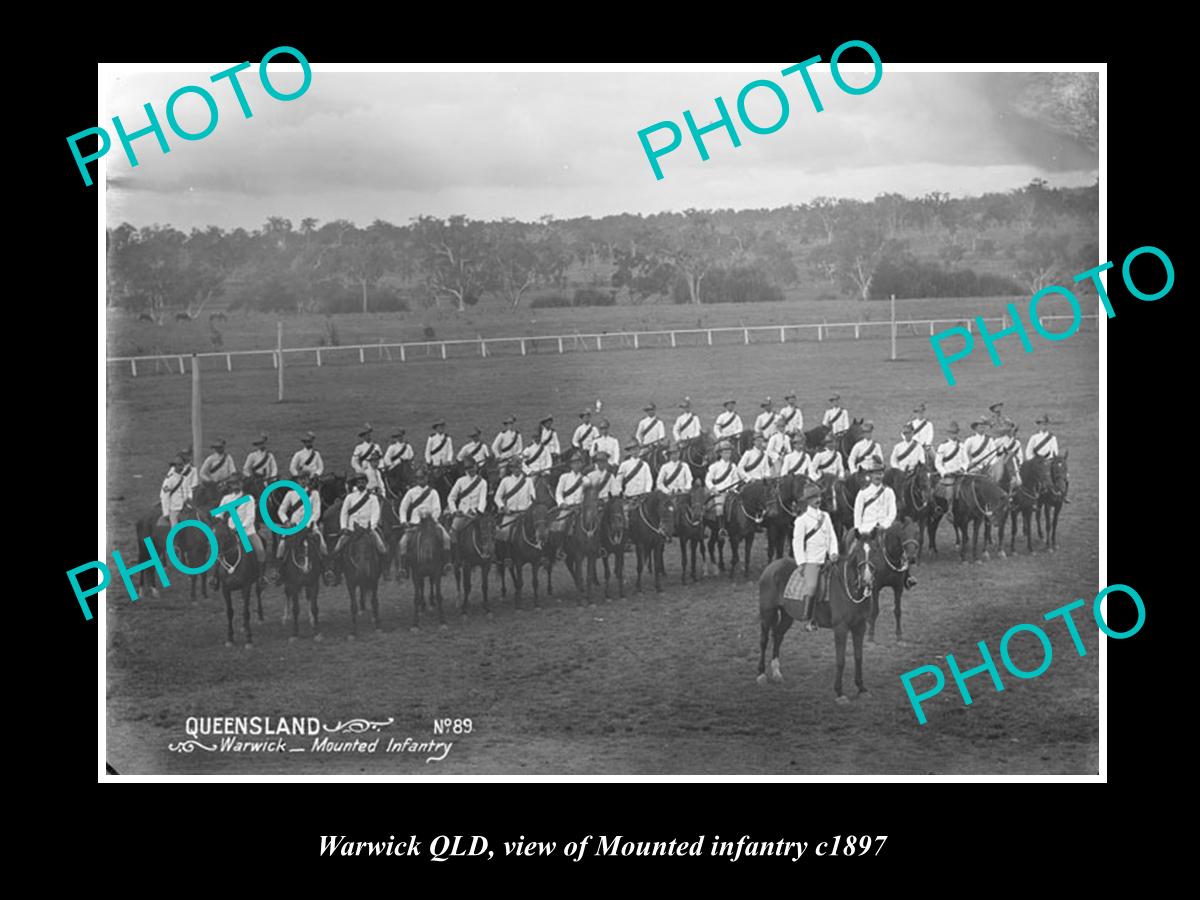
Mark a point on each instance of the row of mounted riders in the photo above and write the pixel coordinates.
(603, 529)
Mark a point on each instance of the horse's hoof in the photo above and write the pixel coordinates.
(318, 637)
(1001, 555)
(762, 678)
(443, 627)
(351, 637)
(229, 643)
(488, 616)
(871, 639)
(863, 692)
(414, 630)
(292, 639)
(249, 645)
(842, 699)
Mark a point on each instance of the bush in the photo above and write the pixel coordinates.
(592, 297)
(737, 285)
(550, 301)
(907, 277)
(335, 297)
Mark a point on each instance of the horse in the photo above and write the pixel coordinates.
(1035, 476)
(152, 526)
(581, 542)
(895, 544)
(397, 479)
(978, 501)
(814, 438)
(475, 548)
(254, 486)
(840, 612)
(613, 527)
(689, 528)
(526, 547)
(697, 453)
(442, 478)
(301, 570)
(651, 525)
(237, 569)
(426, 560)
(1052, 499)
(332, 488)
(785, 505)
(914, 498)
(361, 568)
(744, 510)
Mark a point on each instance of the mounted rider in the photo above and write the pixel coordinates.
(909, 452)
(467, 498)
(675, 476)
(260, 462)
(1042, 443)
(728, 425)
(291, 513)
(514, 495)
(755, 465)
(176, 490)
(998, 421)
(507, 443)
(797, 461)
(420, 502)
(398, 451)
(439, 447)
(979, 448)
(634, 477)
(791, 419)
(307, 460)
(218, 466)
(951, 462)
(779, 445)
(687, 426)
(607, 444)
(247, 514)
(827, 463)
(874, 512)
(475, 448)
(541, 455)
(363, 449)
(1007, 446)
(360, 509)
(922, 427)
(651, 432)
(568, 495)
(768, 420)
(814, 543)
(374, 475)
(585, 435)
(836, 417)
(866, 450)
(722, 478)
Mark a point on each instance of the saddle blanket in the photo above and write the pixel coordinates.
(795, 586)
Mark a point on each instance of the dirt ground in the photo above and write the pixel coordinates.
(651, 684)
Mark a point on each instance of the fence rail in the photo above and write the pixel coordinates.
(481, 347)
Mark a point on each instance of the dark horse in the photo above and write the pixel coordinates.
(914, 498)
(361, 568)
(840, 613)
(744, 510)
(1035, 478)
(651, 525)
(237, 569)
(301, 569)
(689, 528)
(613, 526)
(191, 546)
(582, 542)
(426, 560)
(527, 546)
(476, 548)
(697, 453)
(978, 501)
(1053, 498)
(814, 438)
(786, 503)
(900, 546)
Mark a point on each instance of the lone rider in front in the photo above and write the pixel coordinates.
(813, 542)
(420, 502)
(874, 512)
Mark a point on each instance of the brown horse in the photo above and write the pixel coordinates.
(1053, 498)
(301, 570)
(526, 547)
(839, 612)
(613, 535)
(651, 526)
(914, 498)
(476, 548)
(1035, 476)
(361, 567)
(237, 570)
(425, 561)
(689, 528)
(744, 509)
(899, 546)
(978, 501)
(152, 526)
(781, 513)
(581, 544)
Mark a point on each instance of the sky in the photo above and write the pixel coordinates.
(365, 146)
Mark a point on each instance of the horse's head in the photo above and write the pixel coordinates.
(486, 529)
(589, 512)
(332, 488)
(666, 513)
(1059, 477)
(615, 520)
(903, 538)
(539, 518)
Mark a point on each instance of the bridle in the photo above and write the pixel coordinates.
(903, 554)
(524, 531)
(912, 493)
(656, 529)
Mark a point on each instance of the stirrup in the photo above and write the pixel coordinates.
(811, 625)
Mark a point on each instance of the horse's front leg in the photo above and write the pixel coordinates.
(375, 603)
(898, 590)
(246, 614)
(749, 546)
(874, 614)
(484, 569)
(660, 568)
(228, 614)
(839, 648)
(291, 602)
(765, 619)
(857, 630)
(436, 590)
(683, 560)
(637, 549)
(314, 590)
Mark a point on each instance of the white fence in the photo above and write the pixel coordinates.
(481, 347)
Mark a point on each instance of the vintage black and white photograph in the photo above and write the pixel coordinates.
(629, 420)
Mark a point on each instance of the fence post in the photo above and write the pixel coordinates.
(782, 339)
(710, 337)
(1003, 321)
(522, 346)
(598, 347)
(635, 340)
(483, 348)
(443, 349)
(279, 350)
(402, 353)
(893, 328)
(228, 362)
(856, 331)
(968, 326)
(931, 328)
(181, 369)
(746, 335)
(819, 338)
(361, 356)
(133, 366)
(672, 339)
(560, 349)
(318, 357)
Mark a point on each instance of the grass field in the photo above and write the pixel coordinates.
(650, 684)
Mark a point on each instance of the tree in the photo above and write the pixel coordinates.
(692, 244)
(1040, 258)
(852, 258)
(453, 257)
(364, 257)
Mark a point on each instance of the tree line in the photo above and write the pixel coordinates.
(934, 245)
